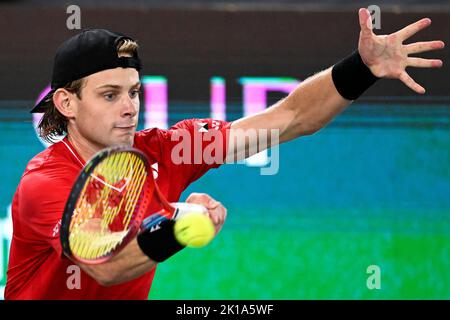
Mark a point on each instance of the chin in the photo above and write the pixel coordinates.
(126, 141)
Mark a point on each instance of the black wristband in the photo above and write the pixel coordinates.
(160, 243)
(352, 77)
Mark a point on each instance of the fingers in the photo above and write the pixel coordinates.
(413, 28)
(218, 215)
(424, 46)
(424, 63)
(408, 81)
(365, 22)
(216, 211)
(199, 198)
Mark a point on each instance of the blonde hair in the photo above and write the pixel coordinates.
(53, 122)
(126, 47)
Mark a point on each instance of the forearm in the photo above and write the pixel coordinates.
(152, 245)
(128, 264)
(308, 108)
(313, 104)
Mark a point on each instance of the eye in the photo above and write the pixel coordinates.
(134, 93)
(110, 96)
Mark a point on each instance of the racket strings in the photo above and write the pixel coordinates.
(114, 171)
(132, 197)
(103, 213)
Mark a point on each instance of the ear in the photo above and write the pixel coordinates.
(64, 102)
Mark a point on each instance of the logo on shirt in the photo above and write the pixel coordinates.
(155, 170)
(203, 126)
(56, 228)
(155, 227)
(216, 125)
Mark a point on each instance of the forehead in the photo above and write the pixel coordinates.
(117, 77)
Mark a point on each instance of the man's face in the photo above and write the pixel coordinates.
(107, 113)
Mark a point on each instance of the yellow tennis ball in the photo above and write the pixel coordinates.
(194, 230)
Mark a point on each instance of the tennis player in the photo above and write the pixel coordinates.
(94, 101)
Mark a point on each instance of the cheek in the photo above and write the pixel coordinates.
(136, 104)
(92, 119)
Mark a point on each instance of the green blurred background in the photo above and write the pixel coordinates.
(345, 198)
(370, 189)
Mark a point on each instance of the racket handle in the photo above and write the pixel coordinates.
(184, 208)
(154, 220)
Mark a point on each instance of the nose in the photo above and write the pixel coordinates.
(129, 108)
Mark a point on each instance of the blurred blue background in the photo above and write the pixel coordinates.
(370, 189)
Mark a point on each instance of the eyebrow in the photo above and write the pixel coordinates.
(114, 86)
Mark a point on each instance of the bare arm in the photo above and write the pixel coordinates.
(316, 101)
(313, 104)
(128, 264)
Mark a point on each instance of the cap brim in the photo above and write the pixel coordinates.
(41, 106)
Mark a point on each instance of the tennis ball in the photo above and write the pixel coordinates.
(194, 230)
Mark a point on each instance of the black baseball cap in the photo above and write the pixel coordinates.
(86, 53)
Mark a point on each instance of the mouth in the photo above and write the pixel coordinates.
(125, 127)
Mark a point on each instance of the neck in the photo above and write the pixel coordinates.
(83, 146)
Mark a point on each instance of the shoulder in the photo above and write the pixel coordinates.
(157, 143)
(201, 124)
(195, 124)
(47, 174)
(156, 135)
(54, 158)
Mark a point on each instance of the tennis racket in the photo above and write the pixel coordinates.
(108, 202)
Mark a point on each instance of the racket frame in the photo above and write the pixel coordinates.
(77, 188)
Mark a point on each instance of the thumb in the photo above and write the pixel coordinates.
(212, 204)
(365, 22)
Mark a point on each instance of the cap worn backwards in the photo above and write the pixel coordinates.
(86, 53)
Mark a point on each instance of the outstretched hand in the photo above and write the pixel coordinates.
(387, 56)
